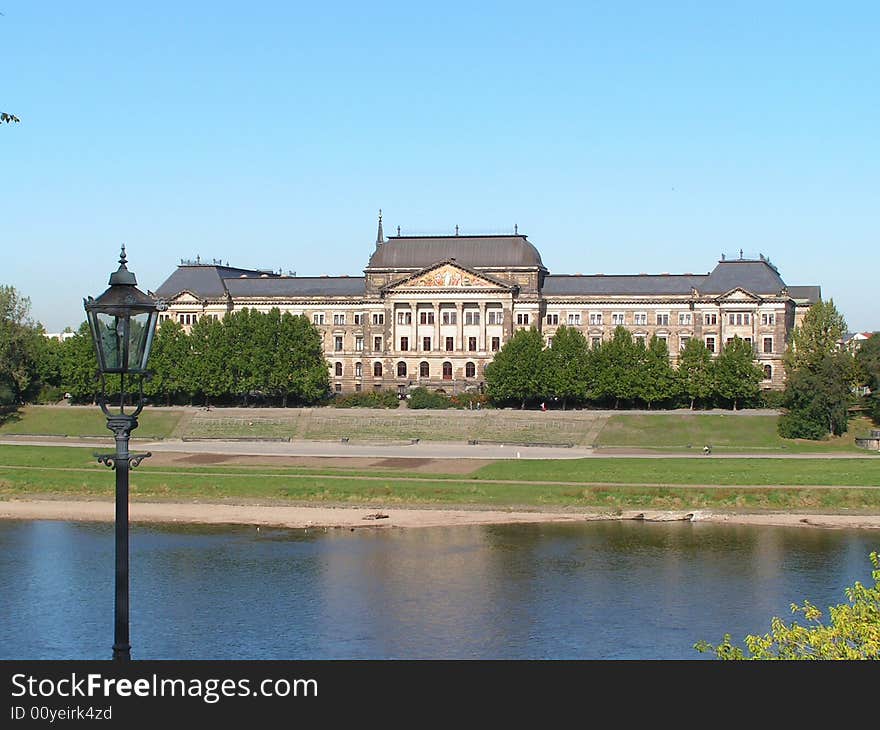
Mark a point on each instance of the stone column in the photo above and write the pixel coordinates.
(481, 333)
(436, 306)
(459, 344)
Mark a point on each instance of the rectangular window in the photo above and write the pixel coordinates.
(358, 370)
(337, 343)
(494, 316)
(496, 344)
(710, 319)
(640, 318)
(318, 318)
(522, 318)
(472, 344)
(357, 387)
(640, 339)
(450, 316)
(683, 341)
(404, 343)
(595, 342)
(618, 318)
(426, 316)
(471, 317)
(377, 344)
(338, 319)
(338, 387)
(552, 319)
(404, 318)
(684, 317)
(768, 318)
(450, 344)
(595, 317)
(426, 344)
(359, 319)
(379, 318)
(359, 343)
(768, 345)
(662, 318)
(574, 318)
(747, 318)
(710, 344)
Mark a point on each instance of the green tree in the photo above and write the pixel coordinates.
(79, 365)
(657, 382)
(819, 377)
(618, 364)
(696, 372)
(818, 335)
(300, 364)
(817, 398)
(852, 633)
(168, 362)
(515, 373)
(867, 362)
(208, 371)
(566, 365)
(20, 344)
(737, 377)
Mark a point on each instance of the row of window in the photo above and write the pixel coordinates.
(427, 344)
(470, 370)
(766, 345)
(340, 318)
(661, 318)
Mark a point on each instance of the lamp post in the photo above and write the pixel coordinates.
(122, 321)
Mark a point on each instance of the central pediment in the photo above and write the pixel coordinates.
(448, 275)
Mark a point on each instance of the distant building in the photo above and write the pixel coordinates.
(853, 340)
(433, 310)
(60, 336)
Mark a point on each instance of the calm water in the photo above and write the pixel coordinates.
(592, 591)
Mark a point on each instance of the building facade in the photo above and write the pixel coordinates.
(433, 310)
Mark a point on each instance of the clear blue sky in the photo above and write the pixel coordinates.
(622, 137)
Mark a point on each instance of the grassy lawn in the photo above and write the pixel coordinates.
(54, 471)
(728, 471)
(83, 421)
(725, 432)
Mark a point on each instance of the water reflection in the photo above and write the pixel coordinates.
(592, 590)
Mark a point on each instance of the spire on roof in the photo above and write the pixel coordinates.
(380, 234)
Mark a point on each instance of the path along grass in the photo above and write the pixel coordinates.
(779, 484)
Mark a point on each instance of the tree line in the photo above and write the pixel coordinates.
(622, 371)
(821, 377)
(246, 357)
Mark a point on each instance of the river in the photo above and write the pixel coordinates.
(597, 590)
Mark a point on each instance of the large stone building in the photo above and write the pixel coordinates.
(432, 310)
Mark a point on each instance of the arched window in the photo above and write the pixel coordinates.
(470, 370)
(447, 371)
(377, 370)
(768, 372)
(358, 370)
(401, 369)
(339, 370)
(424, 369)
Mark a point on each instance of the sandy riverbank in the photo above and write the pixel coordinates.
(297, 516)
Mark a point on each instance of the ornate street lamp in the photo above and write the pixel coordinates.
(122, 321)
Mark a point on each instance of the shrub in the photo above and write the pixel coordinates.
(49, 394)
(423, 398)
(374, 399)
